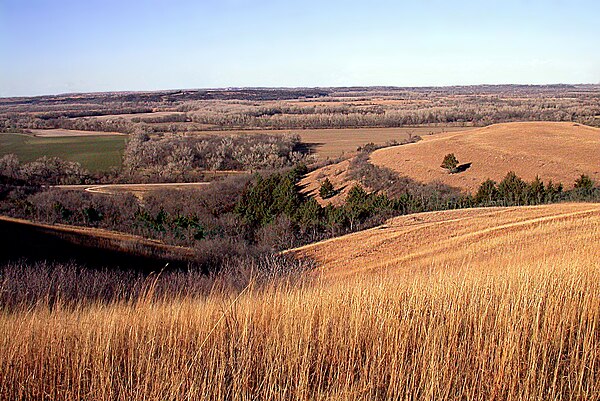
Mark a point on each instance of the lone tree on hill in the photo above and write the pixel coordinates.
(326, 190)
(450, 163)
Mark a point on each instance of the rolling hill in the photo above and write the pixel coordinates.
(560, 152)
(89, 246)
(484, 238)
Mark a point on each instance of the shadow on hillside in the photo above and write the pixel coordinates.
(462, 167)
(308, 147)
(20, 241)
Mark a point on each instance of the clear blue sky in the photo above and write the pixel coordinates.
(58, 46)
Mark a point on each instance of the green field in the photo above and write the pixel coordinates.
(95, 153)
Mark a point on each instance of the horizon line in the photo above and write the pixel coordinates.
(227, 88)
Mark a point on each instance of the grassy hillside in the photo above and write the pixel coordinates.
(557, 151)
(448, 239)
(90, 246)
(95, 153)
(504, 304)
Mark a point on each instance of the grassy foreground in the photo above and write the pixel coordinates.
(527, 331)
(95, 153)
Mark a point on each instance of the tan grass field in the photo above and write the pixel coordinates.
(489, 304)
(554, 151)
(59, 133)
(450, 239)
(337, 173)
(333, 143)
(136, 115)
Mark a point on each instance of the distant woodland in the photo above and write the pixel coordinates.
(262, 206)
(201, 110)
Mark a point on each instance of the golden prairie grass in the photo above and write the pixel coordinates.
(554, 151)
(512, 327)
(476, 236)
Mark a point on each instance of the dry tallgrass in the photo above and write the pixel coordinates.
(518, 326)
(482, 235)
(556, 151)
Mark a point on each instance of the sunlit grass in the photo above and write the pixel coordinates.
(520, 332)
(513, 327)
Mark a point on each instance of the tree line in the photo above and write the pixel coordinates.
(182, 157)
(336, 108)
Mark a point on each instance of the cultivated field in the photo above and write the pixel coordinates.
(560, 152)
(511, 313)
(333, 143)
(95, 153)
(98, 151)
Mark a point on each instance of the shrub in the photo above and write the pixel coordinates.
(184, 157)
(367, 148)
(9, 166)
(43, 171)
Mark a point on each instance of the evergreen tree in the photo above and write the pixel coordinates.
(327, 190)
(487, 194)
(512, 190)
(450, 162)
(584, 186)
(536, 193)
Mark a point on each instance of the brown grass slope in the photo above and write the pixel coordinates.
(496, 304)
(92, 245)
(451, 239)
(337, 174)
(556, 151)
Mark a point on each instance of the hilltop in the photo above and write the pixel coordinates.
(560, 152)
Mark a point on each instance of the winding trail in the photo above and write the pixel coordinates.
(138, 190)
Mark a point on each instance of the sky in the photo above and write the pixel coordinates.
(64, 46)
